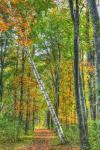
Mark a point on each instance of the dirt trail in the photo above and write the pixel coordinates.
(42, 141)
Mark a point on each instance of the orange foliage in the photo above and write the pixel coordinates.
(22, 25)
(4, 26)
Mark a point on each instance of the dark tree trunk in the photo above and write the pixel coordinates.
(33, 121)
(83, 110)
(96, 27)
(15, 88)
(77, 82)
(90, 58)
(51, 123)
(91, 87)
(22, 89)
(3, 50)
(33, 115)
(48, 119)
(57, 92)
(1, 75)
(27, 123)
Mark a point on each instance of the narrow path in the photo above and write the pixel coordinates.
(43, 141)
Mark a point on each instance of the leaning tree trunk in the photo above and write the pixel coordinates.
(48, 101)
(96, 27)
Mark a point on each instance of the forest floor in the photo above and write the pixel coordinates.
(44, 140)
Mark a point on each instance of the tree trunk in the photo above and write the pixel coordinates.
(21, 89)
(50, 106)
(91, 88)
(48, 119)
(1, 75)
(96, 27)
(3, 50)
(33, 112)
(27, 123)
(77, 82)
(90, 58)
(15, 88)
(57, 91)
(84, 112)
(33, 120)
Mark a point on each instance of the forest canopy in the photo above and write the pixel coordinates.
(50, 72)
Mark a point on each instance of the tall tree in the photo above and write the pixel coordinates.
(90, 58)
(80, 108)
(20, 115)
(15, 88)
(3, 51)
(27, 123)
(96, 28)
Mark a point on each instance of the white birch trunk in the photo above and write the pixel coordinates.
(48, 101)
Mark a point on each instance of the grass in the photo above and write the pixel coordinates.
(24, 140)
